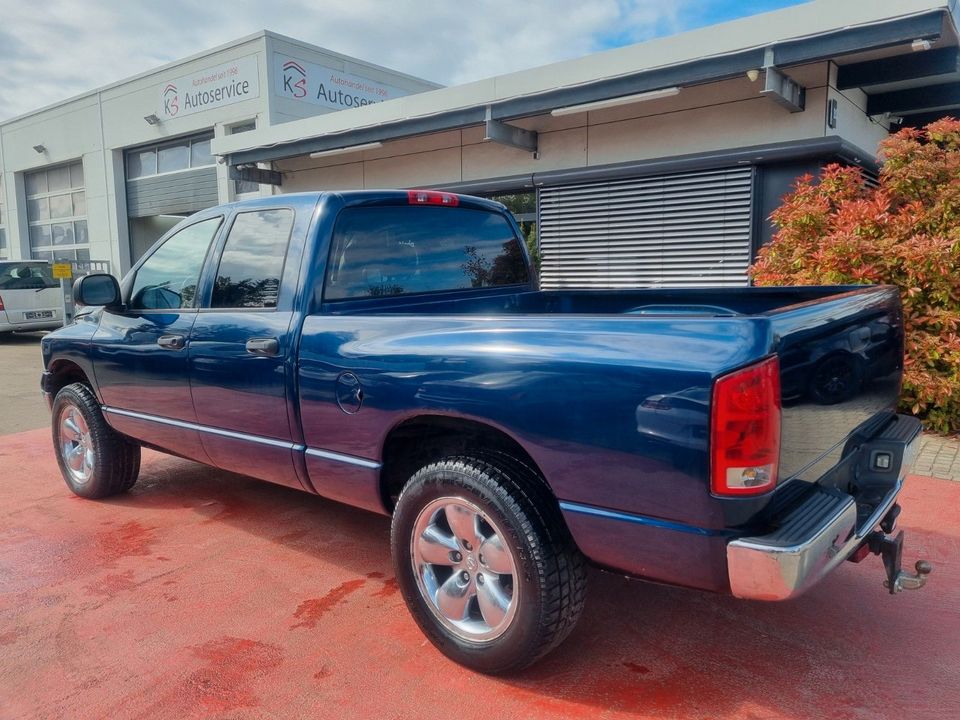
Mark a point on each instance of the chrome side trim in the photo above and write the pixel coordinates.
(340, 457)
(638, 519)
(286, 445)
(296, 447)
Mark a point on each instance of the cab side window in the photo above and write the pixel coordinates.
(252, 260)
(168, 279)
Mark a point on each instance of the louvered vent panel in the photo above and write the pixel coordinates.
(666, 231)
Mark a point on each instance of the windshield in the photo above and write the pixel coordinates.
(26, 276)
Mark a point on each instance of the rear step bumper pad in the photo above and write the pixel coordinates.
(814, 539)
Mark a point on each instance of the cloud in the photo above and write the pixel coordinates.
(65, 47)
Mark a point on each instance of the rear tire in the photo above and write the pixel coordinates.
(94, 459)
(485, 562)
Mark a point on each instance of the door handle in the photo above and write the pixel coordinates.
(172, 342)
(263, 346)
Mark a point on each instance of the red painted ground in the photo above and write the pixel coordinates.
(204, 594)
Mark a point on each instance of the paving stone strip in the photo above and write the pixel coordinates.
(939, 457)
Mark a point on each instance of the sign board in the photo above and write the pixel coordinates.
(214, 87)
(307, 82)
(62, 271)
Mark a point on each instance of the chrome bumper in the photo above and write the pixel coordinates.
(46, 388)
(766, 568)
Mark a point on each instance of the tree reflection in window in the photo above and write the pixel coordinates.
(507, 268)
(252, 260)
(384, 251)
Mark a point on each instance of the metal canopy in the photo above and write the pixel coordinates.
(915, 66)
(945, 97)
(511, 135)
(919, 120)
(903, 31)
(913, 88)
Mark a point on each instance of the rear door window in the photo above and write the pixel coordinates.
(399, 250)
(26, 276)
(252, 260)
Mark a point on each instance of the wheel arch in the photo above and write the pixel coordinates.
(63, 372)
(418, 440)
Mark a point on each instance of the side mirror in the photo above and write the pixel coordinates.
(97, 289)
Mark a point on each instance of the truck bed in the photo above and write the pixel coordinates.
(694, 301)
(651, 355)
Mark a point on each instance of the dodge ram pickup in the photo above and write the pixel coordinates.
(391, 350)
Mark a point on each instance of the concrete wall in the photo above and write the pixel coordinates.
(853, 123)
(4, 220)
(717, 116)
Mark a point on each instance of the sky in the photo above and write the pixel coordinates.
(53, 50)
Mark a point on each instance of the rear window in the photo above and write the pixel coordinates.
(26, 276)
(385, 251)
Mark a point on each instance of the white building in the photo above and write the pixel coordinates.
(102, 175)
(656, 163)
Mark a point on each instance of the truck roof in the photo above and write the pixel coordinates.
(349, 197)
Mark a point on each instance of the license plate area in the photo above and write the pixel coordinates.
(38, 315)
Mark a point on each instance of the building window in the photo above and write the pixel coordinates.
(57, 214)
(4, 252)
(244, 187)
(169, 157)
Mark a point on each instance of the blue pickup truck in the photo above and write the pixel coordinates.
(391, 350)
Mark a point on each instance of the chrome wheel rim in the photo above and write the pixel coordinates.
(76, 445)
(465, 569)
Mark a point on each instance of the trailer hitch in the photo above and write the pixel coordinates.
(890, 549)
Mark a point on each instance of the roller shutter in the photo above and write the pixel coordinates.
(666, 231)
(173, 177)
(183, 192)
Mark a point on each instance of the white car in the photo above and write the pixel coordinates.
(30, 299)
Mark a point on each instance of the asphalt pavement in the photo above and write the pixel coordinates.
(203, 594)
(21, 406)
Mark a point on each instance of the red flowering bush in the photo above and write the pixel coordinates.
(906, 232)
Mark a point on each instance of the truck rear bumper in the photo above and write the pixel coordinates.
(821, 532)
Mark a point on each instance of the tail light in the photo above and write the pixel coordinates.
(432, 197)
(745, 430)
(1, 303)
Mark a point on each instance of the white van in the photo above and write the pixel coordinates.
(30, 299)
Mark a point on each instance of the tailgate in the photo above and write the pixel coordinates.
(841, 361)
(32, 304)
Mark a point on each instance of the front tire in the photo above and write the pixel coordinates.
(94, 459)
(485, 563)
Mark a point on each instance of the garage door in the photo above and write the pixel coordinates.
(664, 231)
(176, 177)
(57, 213)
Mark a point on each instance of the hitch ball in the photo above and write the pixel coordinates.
(907, 581)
